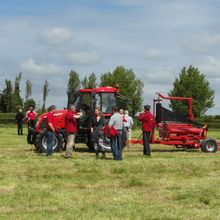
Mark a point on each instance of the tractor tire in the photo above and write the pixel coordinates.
(41, 142)
(31, 136)
(209, 145)
(90, 143)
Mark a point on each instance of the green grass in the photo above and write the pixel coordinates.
(173, 184)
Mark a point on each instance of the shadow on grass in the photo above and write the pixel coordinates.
(164, 150)
(176, 150)
(83, 150)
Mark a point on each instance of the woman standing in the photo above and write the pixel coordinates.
(97, 124)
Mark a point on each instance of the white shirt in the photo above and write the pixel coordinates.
(129, 122)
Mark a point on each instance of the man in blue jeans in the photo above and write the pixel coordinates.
(50, 130)
(116, 122)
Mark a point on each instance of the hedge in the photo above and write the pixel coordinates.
(7, 118)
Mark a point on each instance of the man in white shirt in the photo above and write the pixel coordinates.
(128, 125)
(116, 122)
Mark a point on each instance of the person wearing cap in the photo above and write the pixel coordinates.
(50, 130)
(147, 120)
(71, 129)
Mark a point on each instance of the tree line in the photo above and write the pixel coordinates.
(10, 96)
(189, 83)
(130, 86)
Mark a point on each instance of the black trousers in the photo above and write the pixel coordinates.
(20, 128)
(146, 139)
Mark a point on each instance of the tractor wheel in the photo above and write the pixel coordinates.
(209, 145)
(31, 136)
(41, 142)
(90, 143)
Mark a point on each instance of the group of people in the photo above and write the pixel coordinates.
(118, 121)
(119, 126)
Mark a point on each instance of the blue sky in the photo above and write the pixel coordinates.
(45, 39)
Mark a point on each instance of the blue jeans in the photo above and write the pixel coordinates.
(50, 142)
(116, 145)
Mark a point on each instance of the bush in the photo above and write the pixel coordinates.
(7, 118)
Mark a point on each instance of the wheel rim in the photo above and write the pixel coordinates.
(210, 146)
(44, 143)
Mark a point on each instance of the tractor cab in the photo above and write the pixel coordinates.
(86, 100)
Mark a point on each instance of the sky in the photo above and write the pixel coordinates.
(46, 39)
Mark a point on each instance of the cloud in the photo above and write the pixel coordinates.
(160, 75)
(210, 66)
(57, 35)
(31, 67)
(83, 58)
(202, 43)
(153, 54)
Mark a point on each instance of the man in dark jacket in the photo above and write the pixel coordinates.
(19, 118)
(147, 120)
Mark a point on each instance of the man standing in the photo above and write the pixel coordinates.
(30, 117)
(147, 120)
(116, 123)
(128, 125)
(50, 130)
(19, 118)
(71, 129)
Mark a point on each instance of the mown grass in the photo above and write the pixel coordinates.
(173, 184)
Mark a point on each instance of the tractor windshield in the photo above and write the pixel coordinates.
(84, 102)
(105, 101)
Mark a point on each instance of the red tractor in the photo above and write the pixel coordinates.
(180, 131)
(85, 100)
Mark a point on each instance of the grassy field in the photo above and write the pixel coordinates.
(173, 184)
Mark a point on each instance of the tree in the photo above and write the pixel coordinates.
(6, 97)
(130, 86)
(28, 90)
(45, 94)
(191, 83)
(17, 101)
(92, 81)
(85, 82)
(29, 103)
(73, 86)
(89, 82)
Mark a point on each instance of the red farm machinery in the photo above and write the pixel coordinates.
(178, 130)
(85, 100)
(173, 129)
